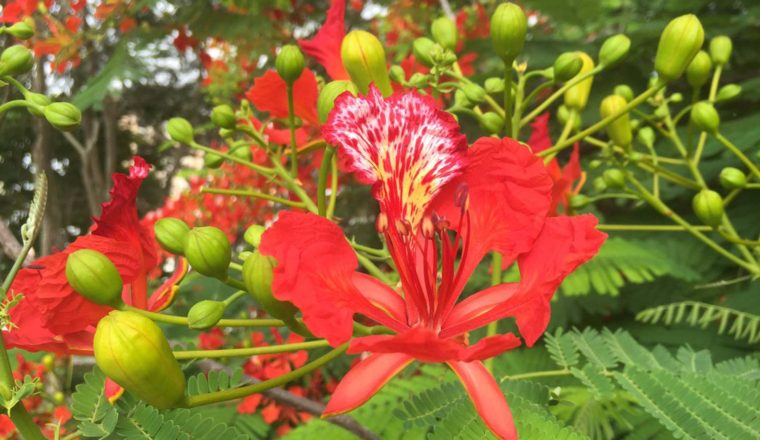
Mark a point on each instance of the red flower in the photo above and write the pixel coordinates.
(325, 46)
(269, 94)
(443, 207)
(211, 340)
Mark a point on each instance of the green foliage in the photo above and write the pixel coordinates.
(203, 383)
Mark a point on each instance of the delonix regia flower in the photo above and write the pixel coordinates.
(443, 207)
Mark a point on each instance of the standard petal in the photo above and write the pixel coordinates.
(364, 380)
(269, 94)
(325, 45)
(487, 398)
(381, 296)
(481, 302)
(315, 268)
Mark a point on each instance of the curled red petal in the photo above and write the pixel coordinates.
(481, 302)
(325, 45)
(269, 94)
(540, 139)
(364, 380)
(487, 398)
(419, 342)
(164, 295)
(489, 347)
(381, 296)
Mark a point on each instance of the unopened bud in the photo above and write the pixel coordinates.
(257, 276)
(614, 178)
(329, 94)
(223, 116)
(180, 130)
(397, 74)
(728, 92)
(566, 66)
(646, 136)
(494, 85)
(708, 206)
(563, 115)
(676, 98)
(205, 314)
(132, 351)
(508, 28)
(705, 117)
(474, 93)
(599, 185)
(208, 251)
(491, 122)
(213, 161)
(613, 50)
(577, 96)
(423, 48)
(732, 178)
(63, 115)
(618, 130)
(39, 102)
(720, 49)
(21, 30)
(364, 59)
(242, 152)
(680, 41)
(698, 72)
(16, 60)
(92, 275)
(419, 80)
(624, 91)
(171, 234)
(444, 32)
(289, 63)
(253, 235)
(579, 201)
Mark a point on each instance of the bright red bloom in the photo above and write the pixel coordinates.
(269, 94)
(443, 208)
(211, 340)
(325, 45)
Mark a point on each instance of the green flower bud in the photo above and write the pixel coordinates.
(705, 117)
(624, 91)
(16, 60)
(253, 235)
(213, 161)
(223, 116)
(460, 100)
(676, 98)
(364, 59)
(397, 74)
(728, 92)
(208, 251)
(646, 136)
(329, 93)
(594, 164)
(566, 66)
(618, 130)
(579, 201)
(63, 116)
(614, 178)
(242, 152)
(171, 234)
(577, 96)
(494, 85)
(92, 275)
(40, 101)
(180, 130)
(613, 50)
(732, 178)
(679, 43)
(474, 93)
(635, 156)
(132, 351)
(257, 276)
(720, 49)
(491, 122)
(21, 30)
(599, 185)
(423, 48)
(419, 80)
(708, 206)
(698, 72)
(444, 32)
(289, 63)
(563, 114)
(205, 314)
(508, 28)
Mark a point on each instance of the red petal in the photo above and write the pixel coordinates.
(381, 296)
(164, 295)
(481, 302)
(364, 380)
(487, 398)
(314, 271)
(540, 139)
(419, 342)
(489, 347)
(113, 391)
(269, 94)
(325, 45)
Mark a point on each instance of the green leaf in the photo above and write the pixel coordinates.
(562, 348)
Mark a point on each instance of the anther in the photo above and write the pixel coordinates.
(381, 223)
(403, 227)
(462, 196)
(428, 228)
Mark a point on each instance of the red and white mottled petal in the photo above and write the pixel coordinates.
(487, 398)
(404, 145)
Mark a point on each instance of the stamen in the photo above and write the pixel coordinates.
(403, 227)
(381, 223)
(428, 228)
(462, 197)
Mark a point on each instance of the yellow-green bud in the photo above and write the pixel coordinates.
(223, 116)
(423, 48)
(720, 49)
(624, 91)
(363, 57)
(40, 101)
(508, 28)
(618, 130)
(21, 30)
(253, 235)
(242, 152)
(676, 98)
(698, 72)
(92, 275)
(566, 66)
(491, 122)
(257, 276)
(211, 160)
(579, 201)
(205, 314)
(474, 93)
(728, 92)
(708, 206)
(680, 41)
(494, 85)
(460, 100)
(59, 398)
(444, 32)
(132, 351)
(614, 178)
(646, 136)
(732, 178)
(397, 73)
(63, 115)
(289, 63)
(705, 117)
(208, 251)
(180, 130)
(577, 96)
(171, 234)
(563, 114)
(599, 185)
(613, 50)
(16, 60)
(419, 80)
(329, 94)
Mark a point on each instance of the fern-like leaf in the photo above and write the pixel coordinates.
(89, 406)
(736, 323)
(592, 345)
(562, 349)
(216, 380)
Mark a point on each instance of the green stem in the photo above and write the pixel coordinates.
(333, 188)
(234, 297)
(293, 185)
(650, 228)
(15, 104)
(292, 123)
(234, 283)
(554, 96)
(534, 93)
(324, 170)
(239, 352)
(738, 153)
(496, 278)
(181, 320)
(236, 393)
(254, 194)
(565, 133)
(715, 82)
(537, 375)
(517, 107)
(508, 97)
(255, 167)
(18, 414)
(373, 269)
